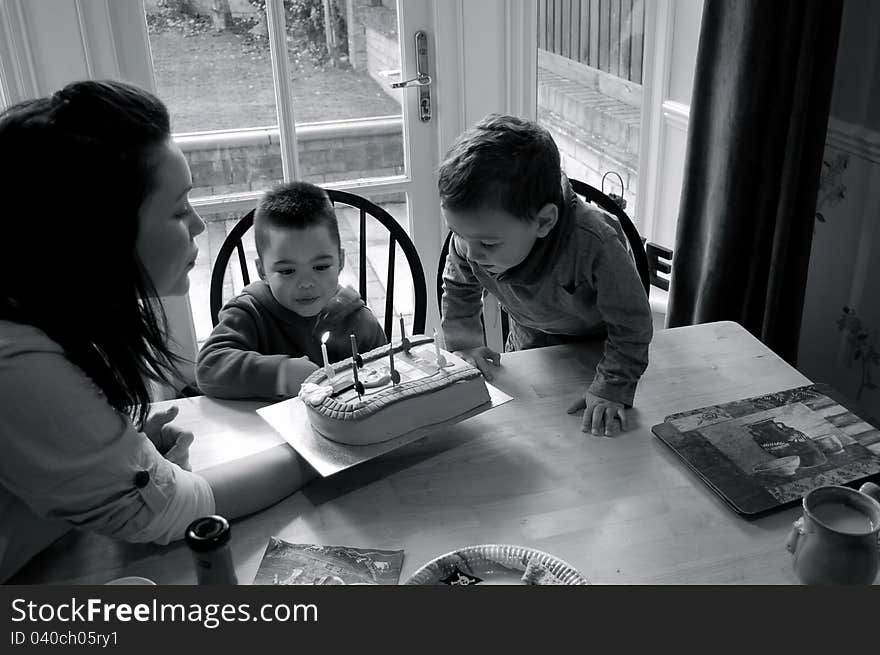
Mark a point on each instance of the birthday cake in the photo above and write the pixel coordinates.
(390, 391)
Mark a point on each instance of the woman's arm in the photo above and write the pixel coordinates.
(68, 455)
(253, 483)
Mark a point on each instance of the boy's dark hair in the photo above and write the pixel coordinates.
(76, 168)
(504, 162)
(296, 206)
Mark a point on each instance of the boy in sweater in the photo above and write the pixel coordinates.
(268, 339)
(558, 267)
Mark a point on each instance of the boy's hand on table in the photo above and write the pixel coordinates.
(294, 376)
(600, 415)
(171, 442)
(483, 357)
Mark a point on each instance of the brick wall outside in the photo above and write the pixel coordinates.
(372, 41)
(596, 128)
(219, 169)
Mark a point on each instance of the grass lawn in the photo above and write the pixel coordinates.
(214, 81)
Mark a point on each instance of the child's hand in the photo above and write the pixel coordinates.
(481, 357)
(298, 368)
(599, 415)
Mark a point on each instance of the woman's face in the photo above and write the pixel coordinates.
(168, 225)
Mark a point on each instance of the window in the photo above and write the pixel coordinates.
(590, 55)
(222, 65)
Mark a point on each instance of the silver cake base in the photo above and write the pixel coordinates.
(327, 457)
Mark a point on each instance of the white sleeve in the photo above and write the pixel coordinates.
(192, 498)
(68, 455)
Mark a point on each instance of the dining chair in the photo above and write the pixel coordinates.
(397, 236)
(592, 195)
(659, 261)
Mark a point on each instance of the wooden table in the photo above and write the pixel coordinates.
(622, 510)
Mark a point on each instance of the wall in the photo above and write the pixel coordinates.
(237, 7)
(845, 257)
(856, 97)
(849, 201)
(382, 51)
(250, 160)
(595, 119)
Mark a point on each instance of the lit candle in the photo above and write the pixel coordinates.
(328, 370)
(441, 360)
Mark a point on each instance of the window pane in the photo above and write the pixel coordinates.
(215, 76)
(344, 57)
(214, 71)
(220, 224)
(590, 88)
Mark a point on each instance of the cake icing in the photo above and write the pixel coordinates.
(427, 393)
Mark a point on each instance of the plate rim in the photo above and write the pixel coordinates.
(425, 575)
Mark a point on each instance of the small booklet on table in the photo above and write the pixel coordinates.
(313, 564)
(768, 451)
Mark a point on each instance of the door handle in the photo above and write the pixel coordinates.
(422, 80)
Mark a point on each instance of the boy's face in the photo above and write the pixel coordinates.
(302, 267)
(496, 239)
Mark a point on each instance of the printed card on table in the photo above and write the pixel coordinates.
(314, 564)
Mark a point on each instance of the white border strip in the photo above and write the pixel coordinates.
(676, 114)
(84, 39)
(855, 139)
(521, 57)
(17, 71)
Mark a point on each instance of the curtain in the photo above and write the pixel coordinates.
(759, 114)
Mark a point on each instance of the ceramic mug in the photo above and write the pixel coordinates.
(836, 539)
(130, 581)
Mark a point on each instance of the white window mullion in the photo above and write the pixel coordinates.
(283, 88)
(18, 73)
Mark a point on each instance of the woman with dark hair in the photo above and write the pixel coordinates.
(96, 192)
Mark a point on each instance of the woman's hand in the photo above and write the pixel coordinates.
(171, 442)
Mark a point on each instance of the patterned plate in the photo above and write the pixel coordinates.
(496, 564)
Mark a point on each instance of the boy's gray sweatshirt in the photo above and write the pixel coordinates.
(256, 335)
(578, 282)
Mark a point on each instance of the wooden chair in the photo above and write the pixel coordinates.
(396, 236)
(636, 243)
(659, 261)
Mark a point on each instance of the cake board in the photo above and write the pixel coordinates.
(327, 457)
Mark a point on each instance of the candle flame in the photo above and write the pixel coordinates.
(324, 337)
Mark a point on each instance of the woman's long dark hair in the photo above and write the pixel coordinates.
(74, 171)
